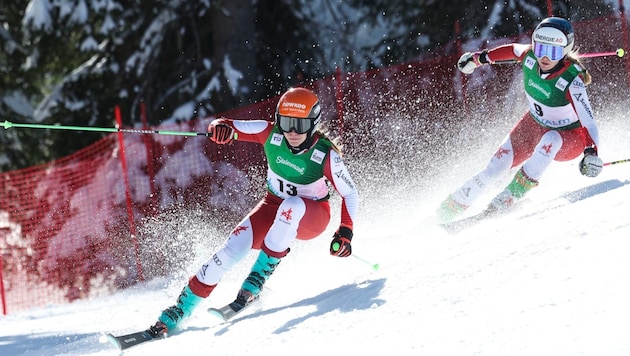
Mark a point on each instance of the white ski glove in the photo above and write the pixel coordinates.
(469, 61)
(591, 165)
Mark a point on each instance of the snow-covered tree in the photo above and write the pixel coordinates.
(417, 28)
(76, 59)
(70, 62)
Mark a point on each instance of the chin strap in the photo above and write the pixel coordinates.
(294, 150)
(304, 146)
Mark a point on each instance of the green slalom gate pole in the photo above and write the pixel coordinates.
(7, 125)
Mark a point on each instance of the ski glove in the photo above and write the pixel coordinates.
(340, 244)
(591, 165)
(469, 61)
(221, 133)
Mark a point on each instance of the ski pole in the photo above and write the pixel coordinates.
(617, 162)
(374, 266)
(7, 125)
(620, 52)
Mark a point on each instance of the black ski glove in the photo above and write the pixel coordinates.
(220, 133)
(340, 244)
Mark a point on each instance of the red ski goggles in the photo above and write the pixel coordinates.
(299, 125)
(554, 53)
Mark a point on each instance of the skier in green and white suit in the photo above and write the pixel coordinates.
(302, 161)
(558, 125)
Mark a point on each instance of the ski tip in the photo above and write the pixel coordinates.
(123, 342)
(112, 340)
(217, 313)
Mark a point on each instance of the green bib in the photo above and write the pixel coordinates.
(549, 92)
(300, 169)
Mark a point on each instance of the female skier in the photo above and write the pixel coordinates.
(301, 160)
(558, 124)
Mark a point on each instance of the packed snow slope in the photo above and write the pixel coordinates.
(548, 279)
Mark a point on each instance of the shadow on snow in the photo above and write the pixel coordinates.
(347, 298)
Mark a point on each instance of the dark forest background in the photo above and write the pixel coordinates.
(69, 62)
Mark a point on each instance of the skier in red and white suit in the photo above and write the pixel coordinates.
(558, 125)
(301, 161)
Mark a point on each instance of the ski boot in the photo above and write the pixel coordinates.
(243, 299)
(450, 209)
(157, 330)
(171, 316)
(518, 187)
(253, 284)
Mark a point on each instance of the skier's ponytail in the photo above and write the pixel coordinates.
(574, 58)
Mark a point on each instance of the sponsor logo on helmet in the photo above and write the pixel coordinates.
(291, 108)
(289, 104)
(542, 38)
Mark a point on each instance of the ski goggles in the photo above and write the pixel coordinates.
(554, 53)
(300, 126)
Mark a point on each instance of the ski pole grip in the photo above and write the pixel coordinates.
(620, 52)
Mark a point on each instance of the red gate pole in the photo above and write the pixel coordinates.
(4, 300)
(339, 101)
(123, 161)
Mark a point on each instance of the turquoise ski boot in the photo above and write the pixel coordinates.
(253, 284)
(186, 303)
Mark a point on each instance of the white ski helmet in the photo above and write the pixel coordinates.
(553, 38)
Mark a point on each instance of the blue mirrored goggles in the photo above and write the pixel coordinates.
(554, 53)
(299, 125)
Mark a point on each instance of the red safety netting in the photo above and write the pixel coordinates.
(80, 226)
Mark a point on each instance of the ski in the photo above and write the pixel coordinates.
(231, 310)
(126, 341)
(456, 226)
